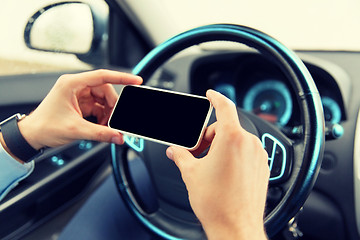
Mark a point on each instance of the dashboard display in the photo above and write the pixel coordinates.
(270, 100)
(257, 85)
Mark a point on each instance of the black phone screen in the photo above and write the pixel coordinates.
(170, 117)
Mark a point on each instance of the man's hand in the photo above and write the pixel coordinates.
(59, 119)
(227, 188)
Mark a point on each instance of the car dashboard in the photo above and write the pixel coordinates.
(256, 85)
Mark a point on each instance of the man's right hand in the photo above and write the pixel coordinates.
(227, 188)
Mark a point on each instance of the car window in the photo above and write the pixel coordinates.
(17, 58)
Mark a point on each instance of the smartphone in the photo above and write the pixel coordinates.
(163, 116)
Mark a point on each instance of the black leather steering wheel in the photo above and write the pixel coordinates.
(294, 163)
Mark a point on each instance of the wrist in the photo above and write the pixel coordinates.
(14, 141)
(30, 132)
(236, 231)
(239, 234)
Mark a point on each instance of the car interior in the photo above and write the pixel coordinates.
(300, 99)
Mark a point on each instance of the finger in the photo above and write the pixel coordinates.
(108, 107)
(210, 132)
(100, 113)
(206, 140)
(111, 96)
(105, 94)
(107, 114)
(99, 77)
(179, 155)
(95, 132)
(225, 109)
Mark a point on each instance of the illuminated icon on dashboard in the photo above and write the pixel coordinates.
(85, 145)
(57, 160)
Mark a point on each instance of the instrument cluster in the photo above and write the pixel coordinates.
(256, 85)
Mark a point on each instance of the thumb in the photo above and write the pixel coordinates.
(100, 133)
(179, 155)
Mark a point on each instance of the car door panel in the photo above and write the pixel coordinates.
(62, 175)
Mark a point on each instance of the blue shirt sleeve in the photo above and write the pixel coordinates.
(12, 172)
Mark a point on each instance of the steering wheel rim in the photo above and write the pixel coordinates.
(306, 94)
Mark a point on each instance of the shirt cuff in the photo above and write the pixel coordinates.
(12, 172)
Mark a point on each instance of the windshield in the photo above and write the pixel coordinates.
(301, 25)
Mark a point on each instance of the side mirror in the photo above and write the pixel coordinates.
(70, 27)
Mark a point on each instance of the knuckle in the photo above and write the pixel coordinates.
(255, 141)
(101, 73)
(230, 128)
(64, 78)
(101, 136)
(64, 81)
(227, 103)
(180, 165)
(264, 153)
(264, 156)
(240, 137)
(73, 128)
(187, 169)
(234, 136)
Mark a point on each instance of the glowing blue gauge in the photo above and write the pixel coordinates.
(228, 90)
(270, 100)
(332, 111)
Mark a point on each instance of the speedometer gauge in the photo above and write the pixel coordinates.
(332, 111)
(270, 100)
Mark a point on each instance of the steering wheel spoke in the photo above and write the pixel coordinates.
(277, 145)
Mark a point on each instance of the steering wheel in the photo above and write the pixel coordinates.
(294, 164)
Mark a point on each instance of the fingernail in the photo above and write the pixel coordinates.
(169, 153)
(117, 140)
(140, 78)
(210, 91)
